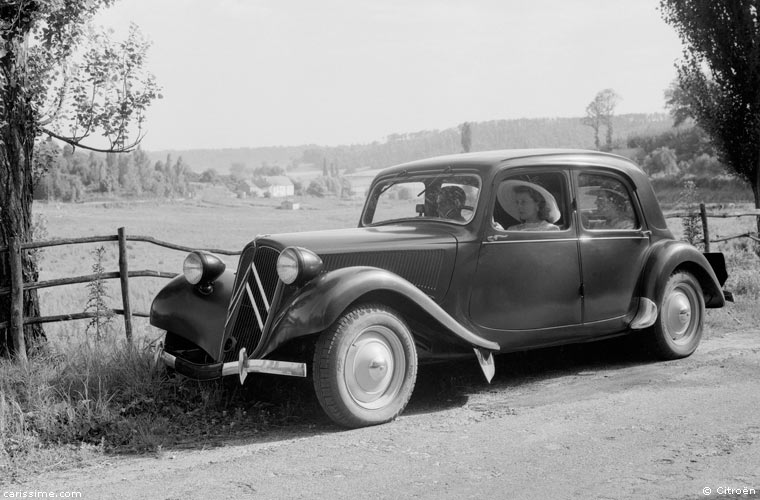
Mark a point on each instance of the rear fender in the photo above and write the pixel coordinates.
(181, 309)
(668, 256)
(323, 300)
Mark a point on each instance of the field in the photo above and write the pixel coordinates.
(80, 397)
(226, 224)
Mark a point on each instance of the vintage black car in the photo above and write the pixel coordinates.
(462, 255)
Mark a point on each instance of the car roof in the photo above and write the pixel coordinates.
(487, 161)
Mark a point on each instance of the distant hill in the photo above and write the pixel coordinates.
(397, 148)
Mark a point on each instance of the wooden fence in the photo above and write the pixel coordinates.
(17, 287)
(703, 215)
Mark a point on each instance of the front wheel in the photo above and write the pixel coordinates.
(365, 367)
(678, 329)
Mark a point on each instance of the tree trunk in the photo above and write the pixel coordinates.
(17, 134)
(756, 192)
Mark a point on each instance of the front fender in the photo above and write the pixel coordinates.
(669, 255)
(181, 309)
(322, 301)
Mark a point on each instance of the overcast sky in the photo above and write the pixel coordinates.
(249, 73)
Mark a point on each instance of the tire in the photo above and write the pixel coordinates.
(678, 329)
(365, 367)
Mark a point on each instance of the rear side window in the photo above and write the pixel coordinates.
(605, 203)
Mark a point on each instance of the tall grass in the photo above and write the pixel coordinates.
(100, 396)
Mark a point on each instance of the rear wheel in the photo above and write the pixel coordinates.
(678, 329)
(365, 367)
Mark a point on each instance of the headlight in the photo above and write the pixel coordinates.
(298, 265)
(202, 268)
(192, 268)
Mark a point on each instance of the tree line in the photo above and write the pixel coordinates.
(65, 174)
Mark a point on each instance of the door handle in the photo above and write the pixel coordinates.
(497, 237)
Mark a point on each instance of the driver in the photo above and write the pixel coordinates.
(450, 202)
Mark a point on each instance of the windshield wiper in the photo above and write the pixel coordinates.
(446, 171)
(394, 181)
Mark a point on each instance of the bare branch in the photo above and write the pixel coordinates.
(73, 141)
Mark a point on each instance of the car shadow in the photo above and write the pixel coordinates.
(283, 408)
(452, 384)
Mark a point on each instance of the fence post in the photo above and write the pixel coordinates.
(124, 278)
(17, 299)
(705, 229)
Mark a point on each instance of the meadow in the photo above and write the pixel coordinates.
(80, 397)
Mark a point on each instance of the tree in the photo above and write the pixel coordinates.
(466, 131)
(60, 78)
(720, 77)
(676, 102)
(599, 113)
(210, 176)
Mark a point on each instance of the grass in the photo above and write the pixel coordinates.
(79, 398)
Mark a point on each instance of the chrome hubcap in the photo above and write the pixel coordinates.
(374, 367)
(678, 314)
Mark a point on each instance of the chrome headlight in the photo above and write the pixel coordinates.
(298, 265)
(202, 268)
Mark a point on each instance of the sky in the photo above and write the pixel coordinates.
(254, 73)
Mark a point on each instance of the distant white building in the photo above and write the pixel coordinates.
(280, 186)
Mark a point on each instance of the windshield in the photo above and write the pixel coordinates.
(439, 195)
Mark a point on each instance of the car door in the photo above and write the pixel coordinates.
(613, 245)
(527, 280)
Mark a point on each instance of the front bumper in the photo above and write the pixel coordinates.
(242, 367)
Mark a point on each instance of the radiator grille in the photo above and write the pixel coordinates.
(256, 293)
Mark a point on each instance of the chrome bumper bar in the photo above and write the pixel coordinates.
(242, 367)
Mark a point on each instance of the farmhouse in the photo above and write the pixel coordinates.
(279, 186)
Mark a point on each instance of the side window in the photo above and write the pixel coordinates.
(605, 203)
(531, 202)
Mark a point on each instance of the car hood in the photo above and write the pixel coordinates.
(362, 239)
(424, 256)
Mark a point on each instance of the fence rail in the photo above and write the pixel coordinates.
(18, 287)
(702, 214)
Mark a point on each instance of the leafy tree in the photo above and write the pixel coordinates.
(268, 171)
(599, 114)
(318, 187)
(677, 103)
(720, 77)
(661, 161)
(210, 176)
(240, 171)
(466, 130)
(60, 78)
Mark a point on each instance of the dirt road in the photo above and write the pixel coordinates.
(584, 422)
